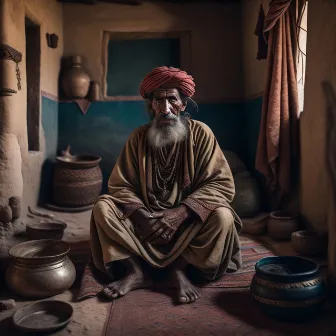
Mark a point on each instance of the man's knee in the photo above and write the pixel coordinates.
(102, 209)
(98, 209)
(222, 218)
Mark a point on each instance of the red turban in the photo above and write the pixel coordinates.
(167, 77)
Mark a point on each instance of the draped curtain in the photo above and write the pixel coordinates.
(277, 151)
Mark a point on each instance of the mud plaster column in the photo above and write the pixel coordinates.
(11, 182)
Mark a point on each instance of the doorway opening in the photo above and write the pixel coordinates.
(33, 70)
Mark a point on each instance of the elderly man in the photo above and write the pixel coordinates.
(169, 198)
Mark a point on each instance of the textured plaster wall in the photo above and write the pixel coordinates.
(254, 75)
(215, 29)
(321, 66)
(48, 13)
(254, 71)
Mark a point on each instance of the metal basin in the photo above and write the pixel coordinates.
(40, 268)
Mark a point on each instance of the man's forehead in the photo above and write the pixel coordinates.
(162, 92)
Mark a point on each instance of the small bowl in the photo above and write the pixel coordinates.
(45, 230)
(309, 242)
(43, 316)
(281, 224)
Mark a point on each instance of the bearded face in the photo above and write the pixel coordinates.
(168, 125)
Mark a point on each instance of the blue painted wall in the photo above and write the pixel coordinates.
(104, 129)
(49, 109)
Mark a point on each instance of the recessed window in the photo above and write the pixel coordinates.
(130, 56)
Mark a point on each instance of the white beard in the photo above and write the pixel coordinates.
(159, 137)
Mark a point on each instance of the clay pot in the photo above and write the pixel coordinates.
(281, 224)
(94, 92)
(6, 214)
(247, 199)
(75, 80)
(16, 204)
(310, 243)
(255, 226)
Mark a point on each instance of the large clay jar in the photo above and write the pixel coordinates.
(247, 200)
(40, 268)
(288, 288)
(75, 80)
(77, 180)
(281, 224)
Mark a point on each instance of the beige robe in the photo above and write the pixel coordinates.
(203, 182)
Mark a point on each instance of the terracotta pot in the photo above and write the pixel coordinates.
(75, 80)
(281, 224)
(310, 243)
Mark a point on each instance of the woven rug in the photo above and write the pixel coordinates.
(93, 281)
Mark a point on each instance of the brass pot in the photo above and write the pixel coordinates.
(75, 80)
(40, 268)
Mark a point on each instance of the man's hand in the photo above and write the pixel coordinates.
(166, 226)
(144, 221)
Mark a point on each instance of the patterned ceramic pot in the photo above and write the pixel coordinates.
(288, 288)
(77, 180)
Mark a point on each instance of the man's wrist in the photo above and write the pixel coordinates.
(140, 212)
(187, 212)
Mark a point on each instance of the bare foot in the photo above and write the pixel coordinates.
(187, 292)
(134, 278)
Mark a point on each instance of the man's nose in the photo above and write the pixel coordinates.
(165, 107)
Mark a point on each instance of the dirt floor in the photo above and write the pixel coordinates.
(89, 315)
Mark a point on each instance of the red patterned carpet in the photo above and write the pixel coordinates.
(225, 308)
(217, 313)
(93, 281)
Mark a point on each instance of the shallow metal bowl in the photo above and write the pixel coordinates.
(43, 316)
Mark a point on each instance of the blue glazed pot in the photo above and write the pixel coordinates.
(288, 288)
